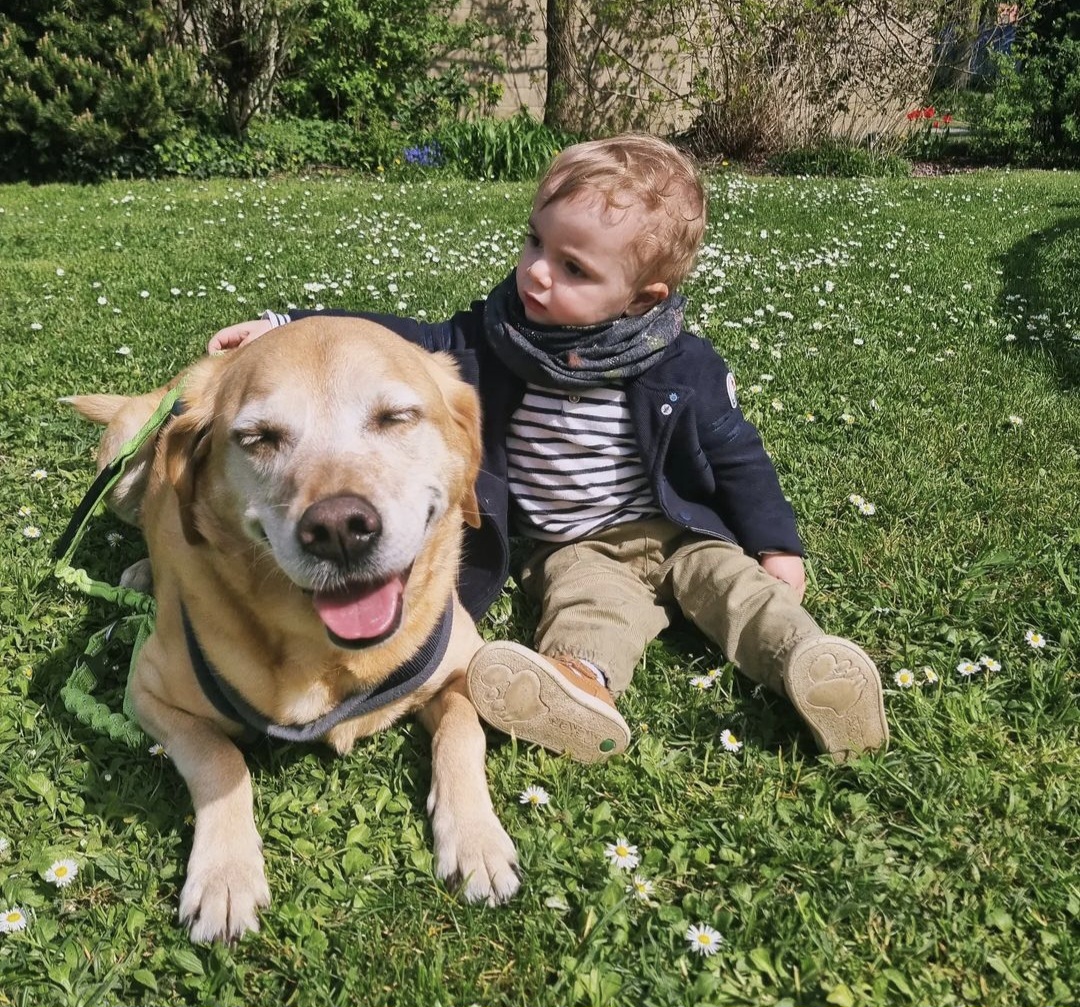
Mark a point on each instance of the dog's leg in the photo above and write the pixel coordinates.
(471, 846)
(226, 883)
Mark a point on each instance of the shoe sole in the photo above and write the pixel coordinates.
(517, 692)
(843, 706)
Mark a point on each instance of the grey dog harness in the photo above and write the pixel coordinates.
(407, 678)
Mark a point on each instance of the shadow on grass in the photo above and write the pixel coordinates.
(1041, 277)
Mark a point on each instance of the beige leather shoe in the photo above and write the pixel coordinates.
(554, 702)
(837, 690)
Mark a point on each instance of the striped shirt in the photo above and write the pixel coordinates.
(573, 463)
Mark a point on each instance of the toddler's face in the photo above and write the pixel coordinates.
(575, 267)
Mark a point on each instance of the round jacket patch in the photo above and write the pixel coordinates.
(731, 391)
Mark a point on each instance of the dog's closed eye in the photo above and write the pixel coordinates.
(260, 439)
(395, 416)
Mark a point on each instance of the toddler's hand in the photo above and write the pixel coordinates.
(788, 568)
(234, 336)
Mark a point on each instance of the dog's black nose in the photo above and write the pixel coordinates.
(339, 529)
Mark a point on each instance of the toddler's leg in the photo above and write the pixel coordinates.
(598, 613)
(758, 623)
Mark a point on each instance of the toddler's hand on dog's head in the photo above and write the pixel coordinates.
(232, 337)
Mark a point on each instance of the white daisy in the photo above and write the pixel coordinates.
(930, 675)
(1036, 640)
(703, 939)
(904, 678)
(641, 888)
(38, 474)
(534, 795)
(124, 351)
(62, 873)
(967, 668)
(622, 854)
(989, 663)
(158, 751)
(11, 920)
(702, 682)
(867, 509)
(32, 531)
(729, 741)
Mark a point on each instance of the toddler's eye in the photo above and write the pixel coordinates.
(574, 269)
(532, 240)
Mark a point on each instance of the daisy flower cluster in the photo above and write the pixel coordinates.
(966, 668)
(905, 678)
(701, 683)
(862, 505)
(60, 873)
(702, 938)
(706, 681)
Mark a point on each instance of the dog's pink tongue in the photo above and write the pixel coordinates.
(362, 613)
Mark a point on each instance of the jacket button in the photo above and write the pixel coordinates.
(665, 410)
(673, 396)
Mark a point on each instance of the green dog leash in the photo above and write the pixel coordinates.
(129, 630)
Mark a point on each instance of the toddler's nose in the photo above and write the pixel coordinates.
(539, 273)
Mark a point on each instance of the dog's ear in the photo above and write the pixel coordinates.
(187, 439)
(464, 408)
(98, 408)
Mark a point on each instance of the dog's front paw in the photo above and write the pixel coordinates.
(222, 895)
(477, 857)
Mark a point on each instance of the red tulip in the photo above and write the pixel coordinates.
(929, 112)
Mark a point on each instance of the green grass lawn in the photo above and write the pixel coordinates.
(914, 344)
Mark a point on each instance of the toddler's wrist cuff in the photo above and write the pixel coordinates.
(276, 320)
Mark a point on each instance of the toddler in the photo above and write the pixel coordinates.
(614, 443)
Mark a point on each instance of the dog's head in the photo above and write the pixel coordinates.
(341, 453)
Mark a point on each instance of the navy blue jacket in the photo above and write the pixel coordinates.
(707, 467)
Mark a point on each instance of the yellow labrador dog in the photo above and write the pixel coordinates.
(304, 513)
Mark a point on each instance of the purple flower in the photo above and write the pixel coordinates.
(428, 156)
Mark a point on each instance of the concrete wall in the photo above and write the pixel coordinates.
(889, 85)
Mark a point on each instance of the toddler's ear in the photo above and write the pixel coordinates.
(647, 297)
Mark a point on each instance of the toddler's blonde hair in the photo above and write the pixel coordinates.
(637, 170)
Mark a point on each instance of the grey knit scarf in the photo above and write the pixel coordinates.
(578, 357)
